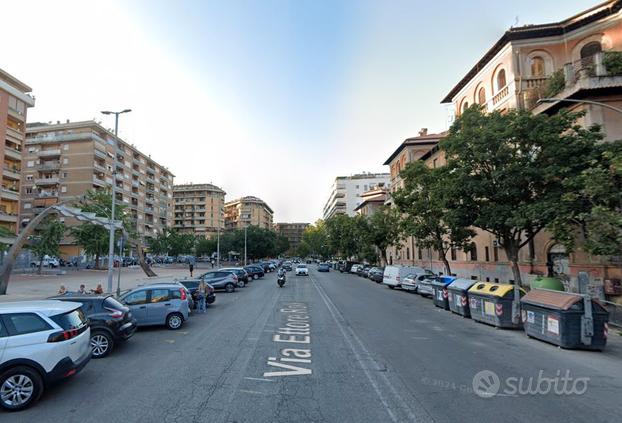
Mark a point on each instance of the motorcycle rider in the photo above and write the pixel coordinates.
(281, 275)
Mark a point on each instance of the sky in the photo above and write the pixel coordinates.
(270, 98)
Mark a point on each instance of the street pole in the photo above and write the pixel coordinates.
(114, 193)
(245, 227)
(120, 264)
(218, 245)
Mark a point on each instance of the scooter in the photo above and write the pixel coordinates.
(281, 280)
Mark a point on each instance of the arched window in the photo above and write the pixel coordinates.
(590, 49)
(537, 66)
(501, 82)
(465, 105)
(481, 96)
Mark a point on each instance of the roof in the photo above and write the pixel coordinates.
(249, 199)
(16, 83)
(551, 299)
(526, 32)
(425, 140)
(197, 187)
(45, 307)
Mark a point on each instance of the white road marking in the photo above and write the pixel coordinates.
(259, 379)
(252, 392)
(170, 341)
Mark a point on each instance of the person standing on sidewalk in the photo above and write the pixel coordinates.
(201, 294)
(191, 262)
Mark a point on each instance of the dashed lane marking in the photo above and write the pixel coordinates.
(261, 379)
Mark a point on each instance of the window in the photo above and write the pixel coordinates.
(501, 81)
(159, 295)
(590, 49)
(473, 252)
(407, 253)
(27, 205)
(65, 160)
(453, 253)
(537, 66)
(65, 174)
(65, 146)
(23, 323)
(29, 190)
(136, 298)
(29, 178)
(73, 320)
(434, 163)
(30, 163)
(465, 105)
(481, 96)
(63, 189)
(495, 253)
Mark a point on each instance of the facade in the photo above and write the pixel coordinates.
(14, 103)
(564, 60)
(247, 211)
(199, 209)
(292, 231)
(63, 161)
(371, 201)
(345, 194)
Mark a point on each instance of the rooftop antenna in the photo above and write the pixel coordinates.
(515, 21)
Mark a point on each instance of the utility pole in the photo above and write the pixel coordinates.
(114, 193)
(245, 227)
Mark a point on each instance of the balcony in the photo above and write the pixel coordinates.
(47, 181)
(8, 217)
(49, 165)
(47, 194)
(49, 153)
(9, 193)
(12, 153)
(16, 135)
(500, 95)
(11, 173)
(100, 154)
(99, 182)
(151, 170)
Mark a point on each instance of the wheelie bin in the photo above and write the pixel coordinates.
(573, 321)
(458, 296)
(439, 291)
(491, 303)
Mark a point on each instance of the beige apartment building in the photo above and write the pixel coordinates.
(248, 211)
(517, 71)
(63, 161)
(371, 201)
(199, 209)
(14, 103)
(292, 231)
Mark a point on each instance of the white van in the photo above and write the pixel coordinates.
(393, 275)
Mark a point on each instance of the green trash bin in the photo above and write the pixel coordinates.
(545, 282)
(491, 303)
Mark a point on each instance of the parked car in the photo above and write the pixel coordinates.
(424, 286)
(41, 342)
(220, 279)
(130, 261)
(412, 281)
(376, 274)
(323, 267)
(111, 322)
(158, 304)
(302, 270)
(363, 269)
(287, 266)
(255, 271)
(393, 275)
(192, 285)
(47, 262)
(355, 268)
(243, 276)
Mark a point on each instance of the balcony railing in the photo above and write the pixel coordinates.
(50, 165)
(500, 95)
(12, 153)
(47, 181)
(49, 153)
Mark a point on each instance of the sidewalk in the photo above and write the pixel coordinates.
(33, 287)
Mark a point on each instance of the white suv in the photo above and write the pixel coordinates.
(302, 270)
(40, 342)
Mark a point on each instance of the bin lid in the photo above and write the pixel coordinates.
(462, 284)
(551, 299)
(442, 281)
(547, 283)
(494, 289)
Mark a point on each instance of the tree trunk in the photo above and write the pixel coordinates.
(97, 261)
(383, 256)
(445, 262)
(39, 270)
(511, 249)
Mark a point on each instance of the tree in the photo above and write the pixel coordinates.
(343, 235)
(180, 243)
(314, 241)
(94, 238)
(160, 244)
(281, 246)
(205, 246)
(508, 171)
(592, 207)
(383, 229)
(47, 240)
(425, 201)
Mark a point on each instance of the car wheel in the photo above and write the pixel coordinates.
(241, 284)
(255, 276)
(101, 344)
(391, 286)
(174, 321)
(20, 387)
(229, 287)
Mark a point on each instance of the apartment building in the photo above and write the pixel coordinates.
(14, 103)
(371, 201)
(564, 60)
(199, 209)
(292, 231)
(345, 193)
(63, 161)
(247, 211)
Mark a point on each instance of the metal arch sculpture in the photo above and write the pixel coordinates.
(9, 261)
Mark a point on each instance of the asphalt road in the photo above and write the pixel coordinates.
(348, 350)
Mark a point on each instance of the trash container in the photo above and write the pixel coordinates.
(565, 319)
(547, 283)
(439, 291)
(458, 296)
(491, 303)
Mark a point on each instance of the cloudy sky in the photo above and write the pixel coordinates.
(265, 98)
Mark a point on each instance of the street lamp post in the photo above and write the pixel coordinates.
(572, 100)
(245, 227)
(114, 193)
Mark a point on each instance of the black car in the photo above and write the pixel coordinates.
(192, 285)
(255, 271)
(110, 321)
(287, 266)
(376, 274)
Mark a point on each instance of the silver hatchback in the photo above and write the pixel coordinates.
(158, 304)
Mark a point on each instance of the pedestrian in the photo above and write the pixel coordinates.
(201, 294)
(62, 290)
(212, 262)
(82, 289)
(99, 289)
(191, 262)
